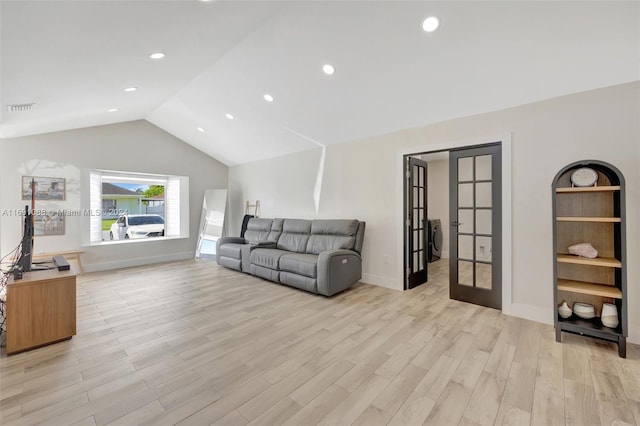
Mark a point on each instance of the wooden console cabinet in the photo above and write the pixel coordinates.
(41, 309)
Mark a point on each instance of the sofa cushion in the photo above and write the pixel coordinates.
(267, 257)
(298, 281)
(232, 250)
(229, 263)
(332, 235)
(334, 227)
(319, 243)
(296, 226)
(301, 264)
(258, 229)
(296, 243)
(266, 273)
(276, 230)
(295, 235)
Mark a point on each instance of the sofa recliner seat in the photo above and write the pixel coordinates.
(320, 256)
(300, 263)
(231, 251)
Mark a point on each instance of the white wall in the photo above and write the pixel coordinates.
(359, 181)
(137, 146)
(278, 184)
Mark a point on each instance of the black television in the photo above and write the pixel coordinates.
(26, 246)
(25, 255)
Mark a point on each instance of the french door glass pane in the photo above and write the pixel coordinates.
(483, 167)
(483, 222)
(465, 273)
(465, 219)
(483, 194)
(483, 276)
(483, 248)
(465, 247)
(465, 195)
(465, 169)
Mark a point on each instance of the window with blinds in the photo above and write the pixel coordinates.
(139, 197)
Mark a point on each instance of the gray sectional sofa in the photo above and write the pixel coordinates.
(319, 256)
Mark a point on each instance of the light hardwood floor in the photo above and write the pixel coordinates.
(192, 343)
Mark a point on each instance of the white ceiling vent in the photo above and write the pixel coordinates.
(20, 107)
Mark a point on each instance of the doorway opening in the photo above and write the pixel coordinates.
(456, 218)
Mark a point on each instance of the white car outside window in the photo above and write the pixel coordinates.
(136, 226)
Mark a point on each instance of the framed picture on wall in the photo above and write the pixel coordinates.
(50, 222)
(46, 188)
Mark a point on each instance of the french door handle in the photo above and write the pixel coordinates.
(456, 223)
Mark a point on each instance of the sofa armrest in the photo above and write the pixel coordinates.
(235, 240)
(338, 270)
(225, 240)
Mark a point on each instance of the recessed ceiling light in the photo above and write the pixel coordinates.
(430, 24)
(200, 129)
(157, 55)
(229, 116)
(130, 89)
(328, 69)
(268, 98)
(112, 110)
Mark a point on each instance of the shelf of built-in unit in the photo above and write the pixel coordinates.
(590, 189)
(594, 289)
(588, 219)
(591, 327)
(598, 261)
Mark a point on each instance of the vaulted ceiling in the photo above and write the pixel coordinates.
(74, 59)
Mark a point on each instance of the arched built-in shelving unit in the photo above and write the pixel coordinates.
(593, 214)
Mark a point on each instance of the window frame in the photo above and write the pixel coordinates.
(176, 204)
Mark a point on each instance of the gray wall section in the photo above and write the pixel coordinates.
(136, 146)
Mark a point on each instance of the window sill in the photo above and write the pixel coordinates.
(135, 240)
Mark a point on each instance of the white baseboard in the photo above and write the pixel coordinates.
(380, 281)
(444, 255)
(529, 312)
(140, 261)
